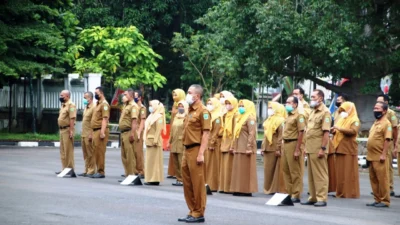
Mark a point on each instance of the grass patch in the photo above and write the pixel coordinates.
(31, 137)
(260, 136)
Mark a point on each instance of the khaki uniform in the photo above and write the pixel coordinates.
(226, 162)
(197, 121)
(292, 169)
(154, 168)
(101, 111)
(177, 146)
(332, 159)
(139, 155)
(171, 163)
(318, 123)
(67, 112)
(378, 172)
(212, 157)
(87, 146)
(129, 112)
(391, 116)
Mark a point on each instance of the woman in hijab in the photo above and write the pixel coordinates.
(177, 95)
(212, 154)
(244, 172)
(346, 147)
(231, 105)
(154, 125)
(175, 140)
(271, 149)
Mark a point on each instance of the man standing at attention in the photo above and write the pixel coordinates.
(139, 138)
(378, 143)
(99, 124)
(86, 135)
(195, 139)
(66, 123)
(317, 139)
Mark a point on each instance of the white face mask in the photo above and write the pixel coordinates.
(229, 107)
(151, 110)
(313, 104)
(344, 115)
(222, 101)
(271, 112)
(210, 107)
(189, 99)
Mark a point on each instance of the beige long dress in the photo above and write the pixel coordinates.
(154, 168)
(211, 157)
(177, 146)
(244, 172)
(226, 163)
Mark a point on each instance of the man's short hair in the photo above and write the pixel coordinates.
(139, 92)
(300, 89)
(295, 99)
(198, 89)
(90, 94)
(131, 92)
(100, 89)
(385, 97)
(320, 93)
(385, 106)
(344, 96)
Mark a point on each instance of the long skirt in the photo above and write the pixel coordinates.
(154, 168)
(171, 167)
(225, 172)
(332, 173)
(348, 182)
(244, 173)
(211, 161)
(273, 174)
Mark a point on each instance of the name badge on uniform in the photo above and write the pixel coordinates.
(105, 108)
(217, 121)
(205, 116)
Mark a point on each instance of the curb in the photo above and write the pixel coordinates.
(110, 144)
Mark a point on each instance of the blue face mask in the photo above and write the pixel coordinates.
(151, 110)
(289, 108)
(136, 100)
(85, 102)
(242, 110)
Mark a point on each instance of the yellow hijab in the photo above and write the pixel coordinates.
(345, 123)
(216, 112)
(158, 112)
(273, 122)
(229, 116)
(242, 118)
(226, 95)
(217, 96)
(185, 106)
(180, 95)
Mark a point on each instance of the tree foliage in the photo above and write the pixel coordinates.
(120, 54)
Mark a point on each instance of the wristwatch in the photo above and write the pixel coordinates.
(323, 148)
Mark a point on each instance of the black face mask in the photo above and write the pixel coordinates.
(96, 96)
(136, 100)
(338, 104)
(378, 115)
(62, 99)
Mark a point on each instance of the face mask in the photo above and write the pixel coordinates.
(344, 115)
(136, 100)
(62, 100)
(151, 110)
(242, 110)
(85, 102)
(289, 108)
(338, 104)
(96, 96)
(222, 100)
(189, 99)
(271, 112)
(313, 104)
(378, 115)
(210, 107)
(181, 110)
(229, 107)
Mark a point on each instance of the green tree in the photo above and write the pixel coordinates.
(120, 54)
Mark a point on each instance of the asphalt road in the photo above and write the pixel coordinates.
(30, 193)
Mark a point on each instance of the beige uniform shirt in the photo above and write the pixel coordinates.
(87, 117)
(129, 113)
(320, 121)
(102, 110)
(67, 112)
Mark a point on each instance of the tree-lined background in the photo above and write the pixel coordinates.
(237, 45)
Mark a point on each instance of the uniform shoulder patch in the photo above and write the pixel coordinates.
(357, 124)
(72, 109)
(301, 120)
(327, 120)
(160, 121)
(205, 116)
(217, 121)
(134, 110)
(105, 108)
(393, 117)
(252, 122)
(389, 128)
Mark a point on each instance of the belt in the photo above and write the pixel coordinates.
(61, 128)
(289, 140)
(94, 129)
(191, 146)
(126, 130)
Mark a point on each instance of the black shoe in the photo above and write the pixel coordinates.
(170, 177)
(141, 176)
(372, 204)
(122, 175)
(295, 200)
(177, 183)
(89, 175)
(183, 219)
(98, 175)
(152, 183)
(381, 205)
(372, 193)
(392, 193)
(320, 204)
(195, 220)
(57, 172)
(307, 203)
(397, 196)
(332, 195)
(82, 174)
(242, 194)
(119, 181)
(221, 192)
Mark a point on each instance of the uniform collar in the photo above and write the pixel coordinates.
(89, 105)
(67, 102)
(320, 107)
(294, 111)
(196, 105)
(100, 101)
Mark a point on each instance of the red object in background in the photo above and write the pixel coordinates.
(165, 137)
(386, 89)
(118, 92)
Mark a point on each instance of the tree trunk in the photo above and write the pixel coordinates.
(32, 106)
